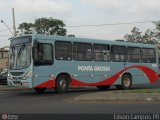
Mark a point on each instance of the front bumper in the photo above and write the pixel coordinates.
(20, 83)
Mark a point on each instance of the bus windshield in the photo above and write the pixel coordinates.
(20, 55)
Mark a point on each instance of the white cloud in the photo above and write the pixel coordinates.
(42, 6)
(141, 9)
(36, 8)
(104, 4)
(28, 11)
(81, 12)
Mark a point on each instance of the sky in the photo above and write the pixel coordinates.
(82, 12)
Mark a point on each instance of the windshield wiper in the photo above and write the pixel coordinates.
(12, 57)
(13, 50)
(20, 51)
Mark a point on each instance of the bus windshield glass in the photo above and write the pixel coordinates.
(20, 53)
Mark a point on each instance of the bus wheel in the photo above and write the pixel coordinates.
(40, 90)
(126, 82)
(62, 84)
(103, 87)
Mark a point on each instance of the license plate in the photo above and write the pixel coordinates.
(17, 82)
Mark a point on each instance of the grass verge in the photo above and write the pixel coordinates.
(146, 90)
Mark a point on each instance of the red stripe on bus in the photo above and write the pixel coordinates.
(151, 74)
(47, 84)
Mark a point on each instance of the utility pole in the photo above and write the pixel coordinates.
(14, 26)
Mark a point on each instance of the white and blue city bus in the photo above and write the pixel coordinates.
(47, 61)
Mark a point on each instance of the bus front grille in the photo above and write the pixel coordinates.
(16, 82)
(16, 73)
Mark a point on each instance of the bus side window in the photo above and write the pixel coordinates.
(149, 55)
(82, 51)
(101, 52)
(63, 50)
(43, 54)
(119, 53)
(134, 54)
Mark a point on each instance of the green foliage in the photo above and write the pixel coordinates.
(135, 35)
(149, 90)
(25, 27)
(149, 36)
(47, 26)
(50, 26)
(157, 30)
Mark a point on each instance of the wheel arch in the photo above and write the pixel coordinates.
(67, 75)
(128, 85)
(127, 73)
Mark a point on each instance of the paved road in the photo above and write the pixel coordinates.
(50, 102)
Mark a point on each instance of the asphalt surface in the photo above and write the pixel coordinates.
(29, 102)
(111, 95)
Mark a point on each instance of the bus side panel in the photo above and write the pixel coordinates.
(43, 77)
(75, 69)
(116, 67)
(138, 76)
(89, 73)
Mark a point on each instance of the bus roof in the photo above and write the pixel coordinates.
(88, 40)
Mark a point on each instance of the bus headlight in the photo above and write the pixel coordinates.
(28, 74)
(9, 77)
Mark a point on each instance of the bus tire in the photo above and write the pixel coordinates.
(40, 90)
(126, 81)
(62, 84)
(105, 87)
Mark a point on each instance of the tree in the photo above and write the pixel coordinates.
(25, 28)
(157, 30)
(149, 36)
(47, 26)
(135, 35)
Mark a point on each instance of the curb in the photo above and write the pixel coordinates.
(7, 88)
(117, 97)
